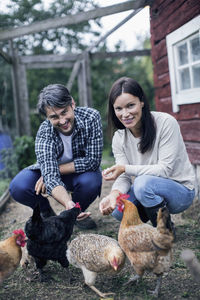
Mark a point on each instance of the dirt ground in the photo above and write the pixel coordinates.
(177, 284)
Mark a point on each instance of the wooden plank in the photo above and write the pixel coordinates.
(163, 92)
(46, 58)
(163, 104)
(15, 87)
(176, 19)
(161, 80)
(50, 65)
(113, 29)
(82, 88)
(25, 128)
(189, 111)
(88, 78)
(190, 130)
(104, 55)
(20, 94)
(72, 19)
(174, 12)
(161, 66)
(69, 57)
(159, 50)
(73, 75)
(193, 150)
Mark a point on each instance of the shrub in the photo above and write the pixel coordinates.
(17, 158)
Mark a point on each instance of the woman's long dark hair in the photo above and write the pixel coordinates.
(130, 86)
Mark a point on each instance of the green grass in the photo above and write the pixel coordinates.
(107, 159)
(3, 186)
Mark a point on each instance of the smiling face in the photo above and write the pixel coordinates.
(128, 109)
(62, 119)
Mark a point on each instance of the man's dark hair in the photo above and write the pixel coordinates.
(53, 95)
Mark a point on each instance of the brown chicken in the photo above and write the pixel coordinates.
(148, 248)
(94, 253)
(11, 253)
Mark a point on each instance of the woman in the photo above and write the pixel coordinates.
(149, 146)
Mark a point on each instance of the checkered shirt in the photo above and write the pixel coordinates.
(87, 145)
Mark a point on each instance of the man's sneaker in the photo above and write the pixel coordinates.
(86, 223)
(49, 212)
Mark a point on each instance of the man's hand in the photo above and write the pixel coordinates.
(40, 186)
(113, 172)
(83, 215)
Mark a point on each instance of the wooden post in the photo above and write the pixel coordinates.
(82, 88)
(88, 78)
(74, 73)
(20, 95)
(84, 82)
(15, 89)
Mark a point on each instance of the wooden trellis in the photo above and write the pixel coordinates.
(80, 64)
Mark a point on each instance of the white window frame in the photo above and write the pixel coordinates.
(186, 96)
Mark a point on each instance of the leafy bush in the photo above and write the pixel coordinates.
(24, 148)
(17, 158)
(3, 186)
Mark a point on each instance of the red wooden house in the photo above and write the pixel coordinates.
(175, 42)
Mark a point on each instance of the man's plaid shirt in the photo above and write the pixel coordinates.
(87, 145)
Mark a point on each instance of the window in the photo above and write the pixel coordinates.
(183, 47)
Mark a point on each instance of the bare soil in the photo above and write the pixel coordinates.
(177, 284)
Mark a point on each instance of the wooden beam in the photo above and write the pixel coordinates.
(20, 95)
(113, 29)
(46, 58)
(15, 87)
(55, 65)
(72, 19)
(88, 78)
(67, 58)
(73, 75)
(104, 55)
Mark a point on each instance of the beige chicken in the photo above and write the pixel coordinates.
(94, 254)
(11, 253)
(147, 248)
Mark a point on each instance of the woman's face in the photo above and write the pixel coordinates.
(128, 110)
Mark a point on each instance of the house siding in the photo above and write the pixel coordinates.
(167, 16)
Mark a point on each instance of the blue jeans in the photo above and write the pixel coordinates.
(150, 191)
(85, 187)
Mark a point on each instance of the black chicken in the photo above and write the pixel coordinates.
(47, 238)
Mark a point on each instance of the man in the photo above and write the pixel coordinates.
(68, 148)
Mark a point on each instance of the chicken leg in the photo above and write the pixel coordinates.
(90, 278)
(156, 292)
(132, 279)
(102, 295)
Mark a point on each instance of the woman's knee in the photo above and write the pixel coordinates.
(141, 186)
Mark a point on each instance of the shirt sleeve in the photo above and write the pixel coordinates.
(124, 181)
(46, 157)
(93, 148)
(170, 150)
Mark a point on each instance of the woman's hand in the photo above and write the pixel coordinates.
(40, 186)
(108, 203)
(113, 172)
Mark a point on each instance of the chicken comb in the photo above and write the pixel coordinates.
(19, 231)
(77, 205)
(120, 203)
